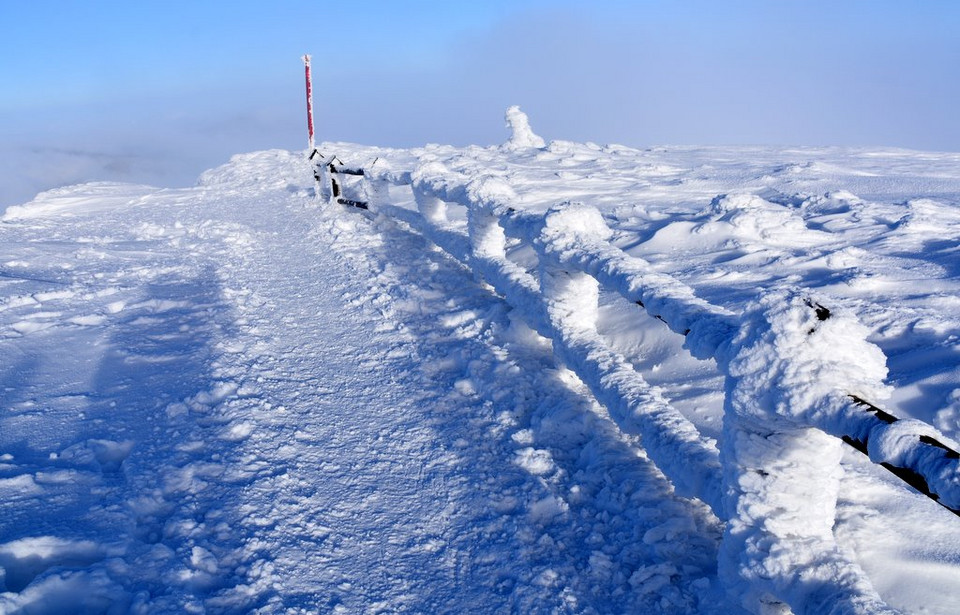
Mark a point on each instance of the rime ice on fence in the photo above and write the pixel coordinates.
(796, 374)
(572, 296)
(547, 305)
(782, 476)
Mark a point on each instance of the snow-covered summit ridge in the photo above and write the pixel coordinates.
(219, 329)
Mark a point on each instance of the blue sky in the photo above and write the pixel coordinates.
(158, 91)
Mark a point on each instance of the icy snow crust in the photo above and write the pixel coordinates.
(224, 399)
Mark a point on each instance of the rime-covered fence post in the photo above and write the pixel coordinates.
(377, 191)
(433, 209)
(487, 239)
(781, 476)
(430, 207)
(572, 297)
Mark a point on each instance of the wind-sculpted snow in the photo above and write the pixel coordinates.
(228, 399)
(816, 387)
(522, 134)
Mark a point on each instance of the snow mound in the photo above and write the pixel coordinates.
(752, 218)
(266, 169)
(835, 202)
(89, 197)
(929, 217)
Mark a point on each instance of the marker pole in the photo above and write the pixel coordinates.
(306, 66)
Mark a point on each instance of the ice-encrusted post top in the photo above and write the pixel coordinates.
(522, 135)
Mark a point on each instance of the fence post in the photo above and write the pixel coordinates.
(572, 297)
(377, 191)
(781, 477)
(431, 208)
(324, 181)
(487, 239)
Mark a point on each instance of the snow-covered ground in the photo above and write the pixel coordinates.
(226, 398)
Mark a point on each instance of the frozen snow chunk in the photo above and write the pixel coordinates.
(90, 320)
(601, 566)
(67, 591)
(204, 560)
(535, 461)
(108, 454)
(21, 486)
(148, 230)
(651, 579)
(202, 572)
(523, 436)
(54, 295)
(522, 135)
(26, 327)
(217, 393)
(948, 418)
(546, 510)
(547, 578)
(465, 387)
(670, 530)
(238, 431)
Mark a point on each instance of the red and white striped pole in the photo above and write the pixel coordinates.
(306, 65)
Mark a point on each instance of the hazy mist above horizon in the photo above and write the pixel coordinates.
(157, 92)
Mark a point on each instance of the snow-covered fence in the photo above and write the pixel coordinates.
(570, 241)
(561, 305)
(330, 172)
(798, 375)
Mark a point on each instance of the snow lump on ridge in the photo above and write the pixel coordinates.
(522, 135)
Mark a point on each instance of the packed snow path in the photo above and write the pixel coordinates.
(221, 399)
(214, 405)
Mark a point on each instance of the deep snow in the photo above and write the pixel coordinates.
(225, 398)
